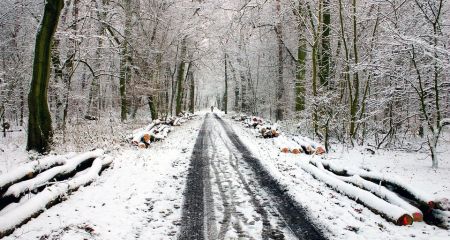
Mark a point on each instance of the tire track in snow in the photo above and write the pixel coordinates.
(267, 231)
(294, 215)
(193, 213)
(229, 203)
(262, 195)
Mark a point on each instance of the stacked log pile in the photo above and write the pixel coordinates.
(390, 197)
(157, 130)
(286, 144)
(25, 192)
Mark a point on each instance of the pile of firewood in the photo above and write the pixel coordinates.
(292, 144)
(265, 128)
(298, 144)
(28, 190)
(157, 130)
(390, 197)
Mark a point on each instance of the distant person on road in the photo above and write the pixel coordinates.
(212, 108)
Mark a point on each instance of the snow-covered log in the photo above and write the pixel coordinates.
(445, 122)
(268, 131)
(69, 168)
(162, 132)
(389, 211)
(309, 146)
(30, 169)
(385, 194)
(139, 134)
(254, 122)
(50, 196)
(422, 200)
(443, 204)
(378, 190)
(285, 145)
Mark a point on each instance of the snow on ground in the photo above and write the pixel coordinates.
(339, 216)
(139, 197)
(12, 150)
(414, 168)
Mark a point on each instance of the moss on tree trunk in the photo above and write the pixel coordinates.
(180, 78)
(39, 121)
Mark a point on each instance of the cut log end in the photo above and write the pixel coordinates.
(146, 137)
(320, 150)
(405, 220)
(285, 150)
(417, 217)
(296, 151)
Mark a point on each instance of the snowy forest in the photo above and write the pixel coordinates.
(354, 77)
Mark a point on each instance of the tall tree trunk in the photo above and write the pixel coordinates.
(236, 88)
(180, 77)
(301, 61)
(225, 94)
(152, 106)
(70, 67)
(94, 91)
(280, 83)
(125, 62)
(324, 72)
(314, 58)
(347, 58)
(192, 93)
(39, 122)
(243, 80)
(355, 100)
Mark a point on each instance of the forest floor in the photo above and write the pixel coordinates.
(141, 195)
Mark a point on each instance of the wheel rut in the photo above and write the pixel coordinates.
(230, 195)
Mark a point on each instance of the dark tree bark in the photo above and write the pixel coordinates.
(192, 93)
(39, 122)
(324, 72)
(180, 77)
(125, 62)
(300, 82)
(152, 106)
(280, 84)
(225, 95)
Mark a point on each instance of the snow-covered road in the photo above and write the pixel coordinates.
(230, 196)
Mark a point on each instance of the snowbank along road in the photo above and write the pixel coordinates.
(230, 195)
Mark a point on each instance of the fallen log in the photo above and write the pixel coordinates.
(388, 211)
(440, 218)
(50, 196)
(421, 200)
(268, 131)
(443, 204)
(68, 169)
(385, 194)
(139, 134)
(378, 190)
(162, 132)
(29, 170)
(309, 146)
(286, 146)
